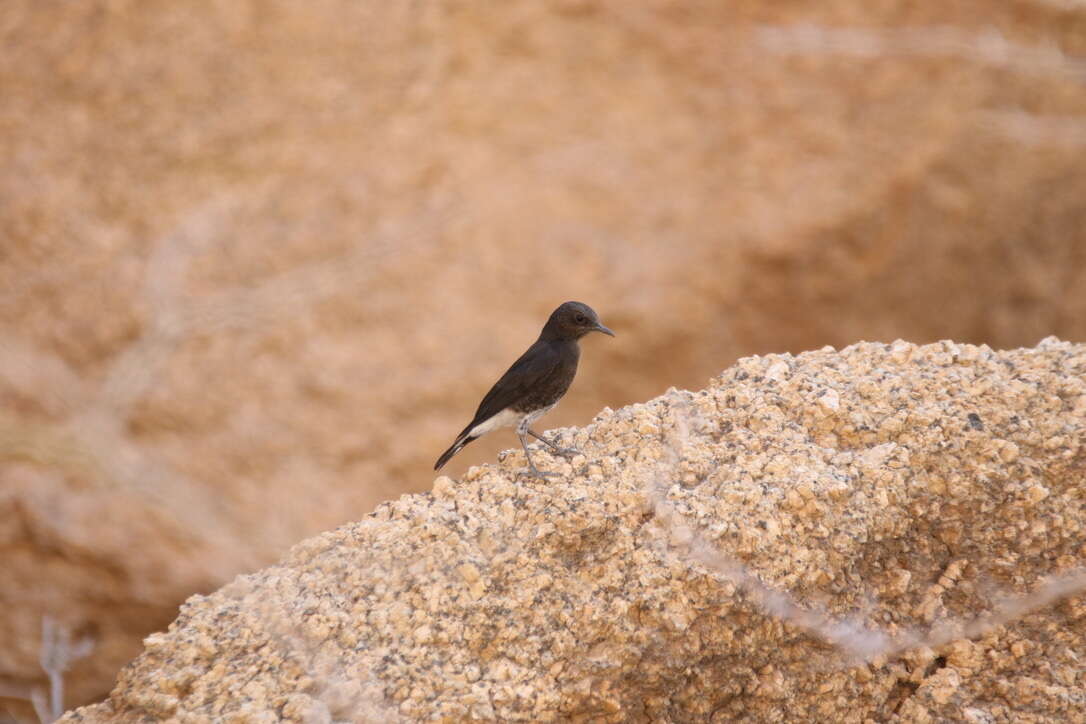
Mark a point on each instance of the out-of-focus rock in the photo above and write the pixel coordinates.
(251, 251)
(741, 552)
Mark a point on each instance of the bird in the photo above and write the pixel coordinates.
(534, 384)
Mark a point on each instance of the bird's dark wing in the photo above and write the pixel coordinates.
(540, 365)
(545, 369)
(532, 370)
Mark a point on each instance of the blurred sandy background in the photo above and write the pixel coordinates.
(260, 260)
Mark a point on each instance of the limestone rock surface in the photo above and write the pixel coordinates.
(883, 533)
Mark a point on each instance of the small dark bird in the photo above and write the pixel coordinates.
(534, 384)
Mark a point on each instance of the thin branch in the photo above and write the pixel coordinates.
(56, 654)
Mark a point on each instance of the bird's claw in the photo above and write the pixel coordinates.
(555, 448)
(539, 473)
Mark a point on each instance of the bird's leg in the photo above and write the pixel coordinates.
(563, 451)
(531, 466)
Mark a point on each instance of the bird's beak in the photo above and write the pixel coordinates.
(605, 330)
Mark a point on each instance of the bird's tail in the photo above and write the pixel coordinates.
(461, 441)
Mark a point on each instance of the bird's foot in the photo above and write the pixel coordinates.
(535, 472)
(566, 452)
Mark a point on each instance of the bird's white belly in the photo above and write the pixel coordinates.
(509, 418)
(505, 418)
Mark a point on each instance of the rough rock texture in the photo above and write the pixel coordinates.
(250, 251)
(900, 490)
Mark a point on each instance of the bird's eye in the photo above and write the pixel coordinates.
(581, 319)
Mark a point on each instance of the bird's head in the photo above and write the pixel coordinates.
(574, 320)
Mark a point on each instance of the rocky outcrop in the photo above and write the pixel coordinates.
(887, 533)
